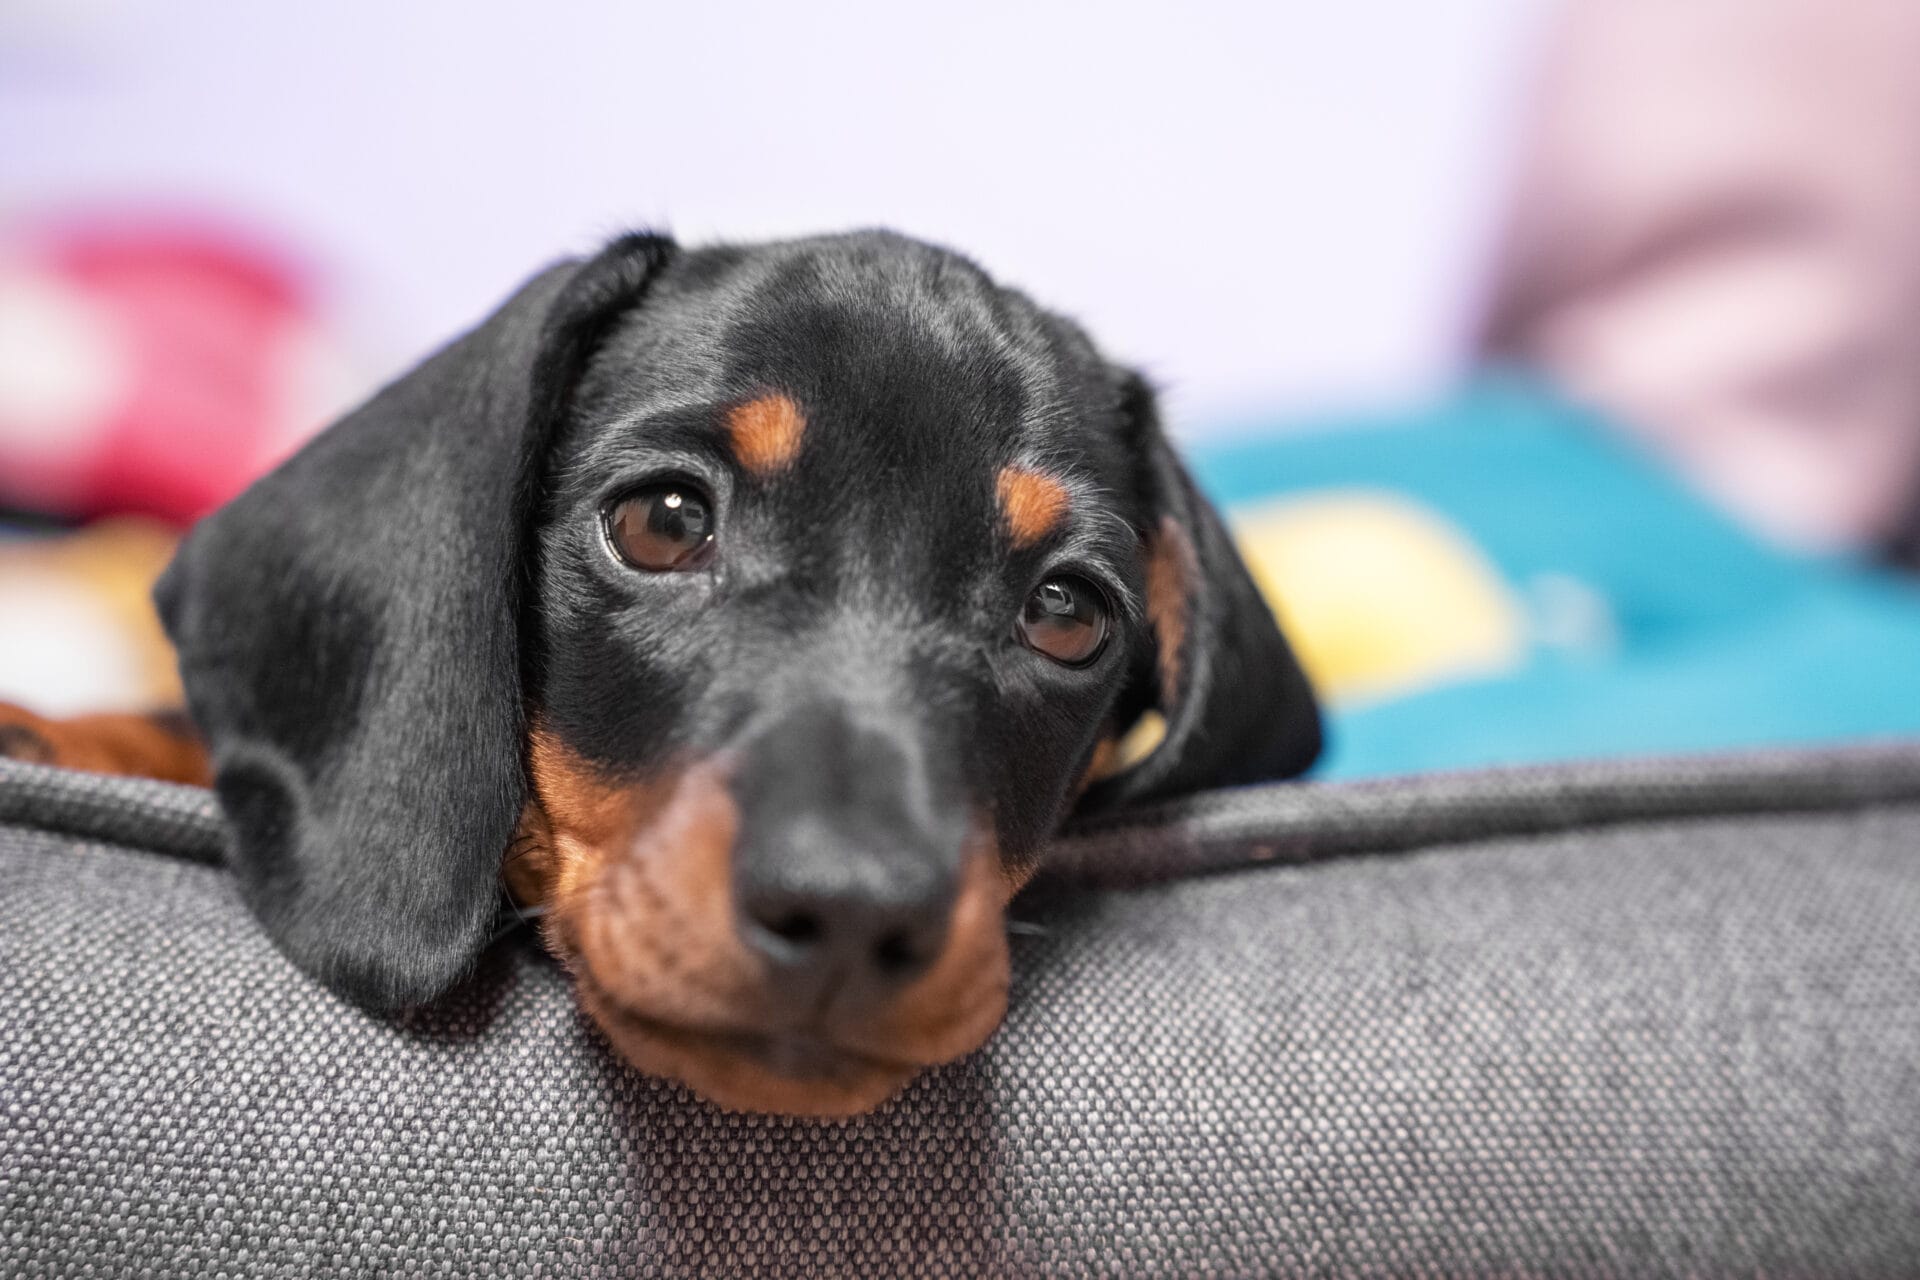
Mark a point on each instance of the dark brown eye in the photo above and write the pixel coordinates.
(1066, 619)
(662, 528)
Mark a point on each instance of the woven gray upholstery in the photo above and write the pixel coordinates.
(1663, 1045)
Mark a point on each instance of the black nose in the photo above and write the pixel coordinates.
(848, 856)
(865, 943)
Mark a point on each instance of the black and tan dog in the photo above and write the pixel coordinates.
(758, 612)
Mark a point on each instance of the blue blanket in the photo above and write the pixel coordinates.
(1708, 639)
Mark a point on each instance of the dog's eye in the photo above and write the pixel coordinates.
(662, 528)
(1066, 619)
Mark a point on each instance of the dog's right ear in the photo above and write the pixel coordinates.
(1238, 706)
(348, 638)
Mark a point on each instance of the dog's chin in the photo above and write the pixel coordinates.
(790, 1074)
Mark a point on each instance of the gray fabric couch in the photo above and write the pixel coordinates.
(1653, 1018)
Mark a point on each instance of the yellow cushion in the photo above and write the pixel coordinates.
(1379, 595)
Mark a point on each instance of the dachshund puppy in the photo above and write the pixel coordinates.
(755, 613)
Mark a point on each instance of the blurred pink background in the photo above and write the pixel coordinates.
(221, 224)
(1270, 205)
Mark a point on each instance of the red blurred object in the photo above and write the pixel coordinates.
(151, 368)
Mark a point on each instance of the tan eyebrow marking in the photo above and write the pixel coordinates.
(1032, 503)
(765, 433)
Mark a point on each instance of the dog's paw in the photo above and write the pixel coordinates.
(152, 745)
(22, 737)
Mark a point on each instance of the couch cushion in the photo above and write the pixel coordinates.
(1582, 1022)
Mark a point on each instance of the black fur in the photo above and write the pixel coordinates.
(365, 631)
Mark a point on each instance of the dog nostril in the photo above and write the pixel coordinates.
(797, 927)
(895, 953)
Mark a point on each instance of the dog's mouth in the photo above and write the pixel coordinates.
(798, 1070)
(643, 914)
(719, 1026)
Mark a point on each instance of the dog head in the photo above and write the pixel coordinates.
(765, 608)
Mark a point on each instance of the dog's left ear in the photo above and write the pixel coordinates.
(1237, 706)
(348, 633)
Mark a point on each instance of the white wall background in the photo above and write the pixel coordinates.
(1273, 206)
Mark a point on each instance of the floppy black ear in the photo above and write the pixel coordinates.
(1237, 706)
(348, 637)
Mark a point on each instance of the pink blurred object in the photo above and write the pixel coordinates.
(152, 367)
(1717, 237)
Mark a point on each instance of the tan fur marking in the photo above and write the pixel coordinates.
(1104, 763)
(765, 433)
(574, 820)
(1172, 569)
(1031, 502)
